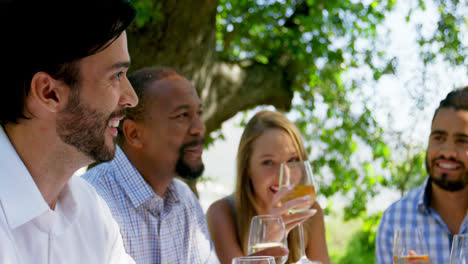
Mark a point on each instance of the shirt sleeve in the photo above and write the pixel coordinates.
(118, 254)
(384, 241)
(212, 258)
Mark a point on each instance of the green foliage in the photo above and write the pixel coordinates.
(338, 234)
(446, 41)
(216, 135)
(147, 12)
(317, 43)
(409, 172)
(361, 245)
(320, 42)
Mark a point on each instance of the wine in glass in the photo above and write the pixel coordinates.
(254, 260)
(299, 175)
(408, 245)
(459, 252)
(267, 231)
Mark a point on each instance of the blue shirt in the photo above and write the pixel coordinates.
(170, 229)
(413, 210)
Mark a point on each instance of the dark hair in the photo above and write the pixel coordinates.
(141, 80)
(52, 36)
(456, 99)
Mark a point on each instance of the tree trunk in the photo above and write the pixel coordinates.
(185, 38)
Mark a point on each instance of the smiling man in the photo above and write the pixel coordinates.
(64, 90)
(440, 205)
(160, 218)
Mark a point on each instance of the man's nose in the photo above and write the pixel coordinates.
(448, 150)
(128, 97)
(198, 127)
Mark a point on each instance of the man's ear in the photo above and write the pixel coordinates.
(133, 133)
(48, 93)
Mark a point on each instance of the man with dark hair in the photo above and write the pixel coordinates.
(439, 207)
(64, 90)
(160, 218)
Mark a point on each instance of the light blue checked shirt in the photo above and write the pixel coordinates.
(155, 230)
(413, 211)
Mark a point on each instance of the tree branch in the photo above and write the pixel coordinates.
(234, 88)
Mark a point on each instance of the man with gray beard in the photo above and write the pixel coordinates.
(439, 206)
(160, 218)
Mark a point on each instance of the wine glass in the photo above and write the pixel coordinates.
(459, 253)
(254, 260)
(408, 245)
(267, 231)
(299, 175)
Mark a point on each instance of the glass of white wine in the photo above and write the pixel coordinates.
(459, 253)
(254, 260)
(408, 245)
(267, 231)
(299, 175)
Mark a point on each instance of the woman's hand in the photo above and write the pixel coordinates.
(291, 220)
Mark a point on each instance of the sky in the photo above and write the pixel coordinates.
(391, 96)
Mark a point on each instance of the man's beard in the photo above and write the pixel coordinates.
(83, 127)
(184, 170)
(443, 181)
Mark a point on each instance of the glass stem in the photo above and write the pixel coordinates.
(301, 241)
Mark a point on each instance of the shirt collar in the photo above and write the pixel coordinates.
(19, 195)
(424, 196)
(21, 199)
(66, 211)
(133, 184)
(158, 205)
(68, 205)
(172, 195)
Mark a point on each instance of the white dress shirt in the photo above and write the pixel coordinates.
(80, 229)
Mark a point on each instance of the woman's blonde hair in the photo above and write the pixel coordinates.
(244, 199)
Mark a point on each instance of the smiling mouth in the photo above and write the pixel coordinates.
(274, 188)
(447, 165)
(114, 122)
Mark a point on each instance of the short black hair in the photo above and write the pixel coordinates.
(456, 99)
(141, 80)
(52, 36)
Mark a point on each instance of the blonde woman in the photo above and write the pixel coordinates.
(269, 139)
